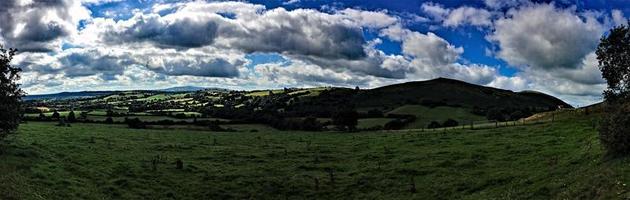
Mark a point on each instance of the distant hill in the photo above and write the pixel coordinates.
(67, 95)
(182, 89)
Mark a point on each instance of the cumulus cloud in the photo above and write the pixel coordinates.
(543, 36)
(618, 18)
(38, 25)
(464, 15)
(428, 48)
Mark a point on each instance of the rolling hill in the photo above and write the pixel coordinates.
(454, 93)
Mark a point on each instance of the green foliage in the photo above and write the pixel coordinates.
(10, 93)
(56, 115)
(614, 62)
(345, 119)
(71, 117)
(614, 132)
(450, 123)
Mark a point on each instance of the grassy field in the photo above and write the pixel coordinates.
(440, 114)
(560, 160)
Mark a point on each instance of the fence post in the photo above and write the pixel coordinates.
(496, 124)
(472, 125)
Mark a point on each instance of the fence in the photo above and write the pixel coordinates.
(549, 117)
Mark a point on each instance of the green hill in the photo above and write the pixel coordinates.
(454, 93)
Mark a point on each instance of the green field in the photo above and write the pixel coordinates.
(560, 160)
(424, 115)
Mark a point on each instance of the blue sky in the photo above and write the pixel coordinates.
(74, 45)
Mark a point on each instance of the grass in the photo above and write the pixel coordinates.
(560, 160)
(424, 115)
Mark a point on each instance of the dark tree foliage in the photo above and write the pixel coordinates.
(613, 54)
(450, 123)
(135, 123)
(109, 120)
(10, 93)
(56, 115)
(311, 124)
(434, 124)
(72, 117)
(346, 119)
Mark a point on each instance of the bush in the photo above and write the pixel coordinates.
(72, 117)
(311, 124)
(614, 133)
(434, 124)
(56, 115)
(135, 123)
(396, 124)
(109, 120)
(450, 123)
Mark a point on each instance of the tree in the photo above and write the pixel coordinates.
(346, 119)
(450, 123)
(614, 62)
(109, 120)
(613, 54)
(10, 93)
(71, 117)
(56, 115)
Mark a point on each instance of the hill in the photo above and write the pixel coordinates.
(68, 95)
(416, 103)
(454, 93)
(182, 89)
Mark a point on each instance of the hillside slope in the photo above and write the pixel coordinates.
(454, 93)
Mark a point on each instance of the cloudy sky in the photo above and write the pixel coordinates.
(76, 45)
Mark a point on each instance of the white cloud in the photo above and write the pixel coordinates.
(461, 16)
(543, 36)
(468, 15)
(618, 18)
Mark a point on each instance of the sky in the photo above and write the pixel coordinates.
(79, 45)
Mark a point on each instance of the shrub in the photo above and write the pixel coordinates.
(450, 123)
(71, 117)
(109, 120)
(613, 131)
(396, 124)
(434, 124)
(311, 124)
(56, 115)
(135, 123)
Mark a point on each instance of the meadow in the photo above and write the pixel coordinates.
(560, 160)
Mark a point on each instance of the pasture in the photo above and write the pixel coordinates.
(95, 161)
